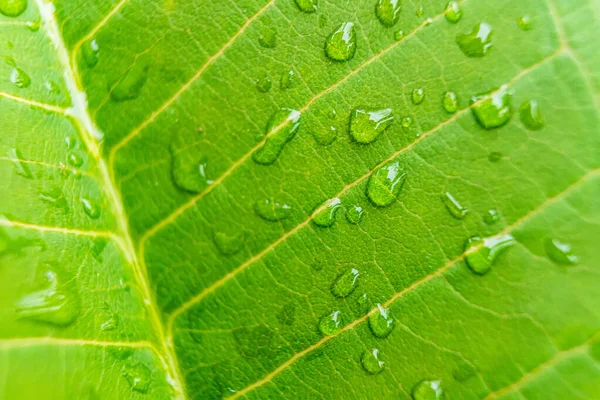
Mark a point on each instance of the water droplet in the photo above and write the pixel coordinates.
(428, 390)
(371, 362)
(268, 38)
(481, 253)
(345, 283)
(110, 321)
(254, 341)
(453, 206)
(450, 102)
(492, 110)
(366, 126)
(131, 84)
(355, 214)
(90, 52)
(281, 128)
(33, 26)
(428, 21)
(326, 216)
(341, 43)
(388, 11)
(417, 96)
(381, 322)
(307, 6)
(399, 35)
(477, 42)
(55, 197)
(75, 159)
(91, 208)
(50, 299)
(263, 84)
(325, 136)
(287, 79)
(331, 324)
(524, 23)
(531, 116)
(272, 210)
(560, 252)
(453, 12)
(19, 78)
(52, 87)
(13, 8)
(188, 165)
(21, 167)
(138, 375)
(463, 372)
(332, 113)
(363, 304)
(385, 184)
(322, 21)
(491, 217)
(407, 122)
(228, 244)
(420, 10)
(495, 156)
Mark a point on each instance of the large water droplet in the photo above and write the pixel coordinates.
(381, 322)
(228, 244)
(354, 214)
(477, 42)
(531, 116)
(281, 128)
(453, 206)
(331, 324)
(268, 38)
(524, 23)
(492, 110)
(385, 184)
(453, 12)
(188, 165)
(131, 84)
(20, 165)
(50, 299)
(345, 283)
(90, 52)
(417, 96)
(450, 102)
(481, 253)
(56, 198)
(371, 362)
(263, 84)
(428, 390)
(388, 11)
(326, 216)
(13, 8)
(366, 126)
(19, 78)
(341, 43)
(138, 375)
(307, 6)
(272, 210)
(288, 78)
(560, 252)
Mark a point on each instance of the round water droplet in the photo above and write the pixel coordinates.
(130, 85)
(281, 128)
(481, 253)
(33, 26)
(371, 362)
(476, 43)
(388, 11)
(463, 372)
(524, 23)
(91, 208)
(341, 43)
(417, 96)
(325, 217)
(138, 375)
(453, 12)
(272, 210)
(288, 78)
(399, 35)
(263, 84)
(381, 322)
(325, 136)
(21, 167)
(228, 244)
(491, 217)
(345, 283)
(531, 116)
(75, 159)
(428, 390)
(90, 52)
(268, 38)
(492, 110)
(453, 206)
(407, 122)
(13, 8)
(331, 324)
(420, 10)
(450, 102)
(495, 156)
(385, 184)
(560, 252)
(307, 6)
(366, 126)
(355, 214)
(188, 165)
(56, 198)
(19, 78)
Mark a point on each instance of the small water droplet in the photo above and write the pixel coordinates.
(560, 252)
(366, 126)
(428, 390)
(407, 122)
(463, 372)
(385, 184)
(428, 21)
(90, 207)
(56, 198)
(281, 128)
(495, 156)
(332, 113)
(33, 26)
(363, 304)
(288, 78)
(188, 165)
(307, 6)
(228, 244)
(524, 23)
(417, 96)
(138, 375)
(355, 214)
(454, 207)
(331, 324)
(110, 320)
(325, 136)
(131, 84)
(75, 159)
(52, 87)
(341, 43)
(345, 283)
(531, 116)
(371, 362)
(268, 38)
(272, 210)
(481, 253)
(13, 8)
(450, 102)
(326, 216)
(90, 52)
(399, 35)
(491, 217)
(453, 12)
(477, 42)
(381, 322)
(21, 167)
(492, 110)
(263, 84)
(388, 11)
(19, 78)
(420, 10)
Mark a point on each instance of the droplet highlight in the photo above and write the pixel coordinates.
(417, 96)
(454, 207)
(367, 125)
(90, 52)
(90, 208)
(560, 252)
(281, 128)
(476, 43)
(481, 253)
(524, 23)
(428, 390)
(385, 184)
(341, 43)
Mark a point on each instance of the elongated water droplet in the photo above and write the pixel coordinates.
(272, 210)
(188, 165)
(354, 214)
(90, 207)
(371, 362)
(21, 167)
(50, 299)
(381, 322)
(19, 78)
(263, 84)
(385, 184)
(560, 252)
(307, 6)
(524, 23)
(450, 102)
(388, 11)
(131, 84)
(228, 244)
(453, 12)
(476, 43)
(481, 253)
(90, 52)
(331, 324)
(268, 38)
(407, 122)
(281, 128)
(326, 217)
(417, 96)
(341, 43)
(345, 283)
(453, 206)
(288, 78)
(491, 217)
(428, 390)
(366, 126)
(56, 198)
(492, 110)
(531, 116)
(13, 8)
(399, 35)
(138, 375)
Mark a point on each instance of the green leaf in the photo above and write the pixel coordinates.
(412, 212)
